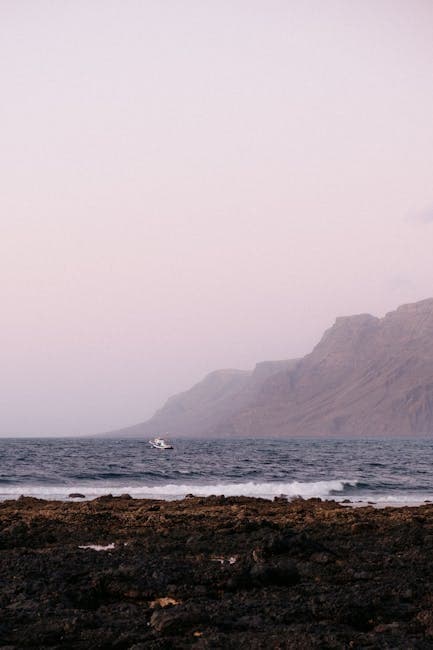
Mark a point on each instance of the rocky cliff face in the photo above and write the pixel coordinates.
(215, 399)
(366, 377)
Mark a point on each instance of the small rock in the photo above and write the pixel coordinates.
(361, 526)
(320, 558)
(171, 619)
(387, 627)
(280, 572)
(279, 543)
(258, 554)
(16, 530)
(249, 622)
(104, 497)
(165, 601)
(407, 595)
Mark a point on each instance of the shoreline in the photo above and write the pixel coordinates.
(78, 495)
(214, 572)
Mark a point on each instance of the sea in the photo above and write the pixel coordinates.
(385, 472)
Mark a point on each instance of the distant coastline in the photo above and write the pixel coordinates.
(367, 377)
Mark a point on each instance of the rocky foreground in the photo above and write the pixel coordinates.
(214, 573)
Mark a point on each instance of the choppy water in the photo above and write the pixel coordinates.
(384, 471)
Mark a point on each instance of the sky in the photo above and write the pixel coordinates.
(190, 185)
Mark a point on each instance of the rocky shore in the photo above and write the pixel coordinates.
(214, 572)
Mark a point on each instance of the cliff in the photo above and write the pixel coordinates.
(202, 408)
(367, 376)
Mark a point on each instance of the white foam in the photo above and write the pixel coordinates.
(98, 547)
(391, 500)
(172, 491)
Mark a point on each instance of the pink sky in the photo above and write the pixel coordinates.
(192, 185)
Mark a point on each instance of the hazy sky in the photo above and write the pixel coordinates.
(194, 184)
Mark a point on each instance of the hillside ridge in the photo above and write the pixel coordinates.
(367, 376)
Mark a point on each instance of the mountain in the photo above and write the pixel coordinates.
(367, 376)
(202, 408)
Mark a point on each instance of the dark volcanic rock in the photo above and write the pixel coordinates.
(214, 573)
(279, 572)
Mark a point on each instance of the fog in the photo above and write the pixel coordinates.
(192, 185)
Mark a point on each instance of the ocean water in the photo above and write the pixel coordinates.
(388, 472)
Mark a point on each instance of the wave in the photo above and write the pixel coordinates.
(171, 491)
(398, 499)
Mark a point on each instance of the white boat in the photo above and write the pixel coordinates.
(160, 443)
